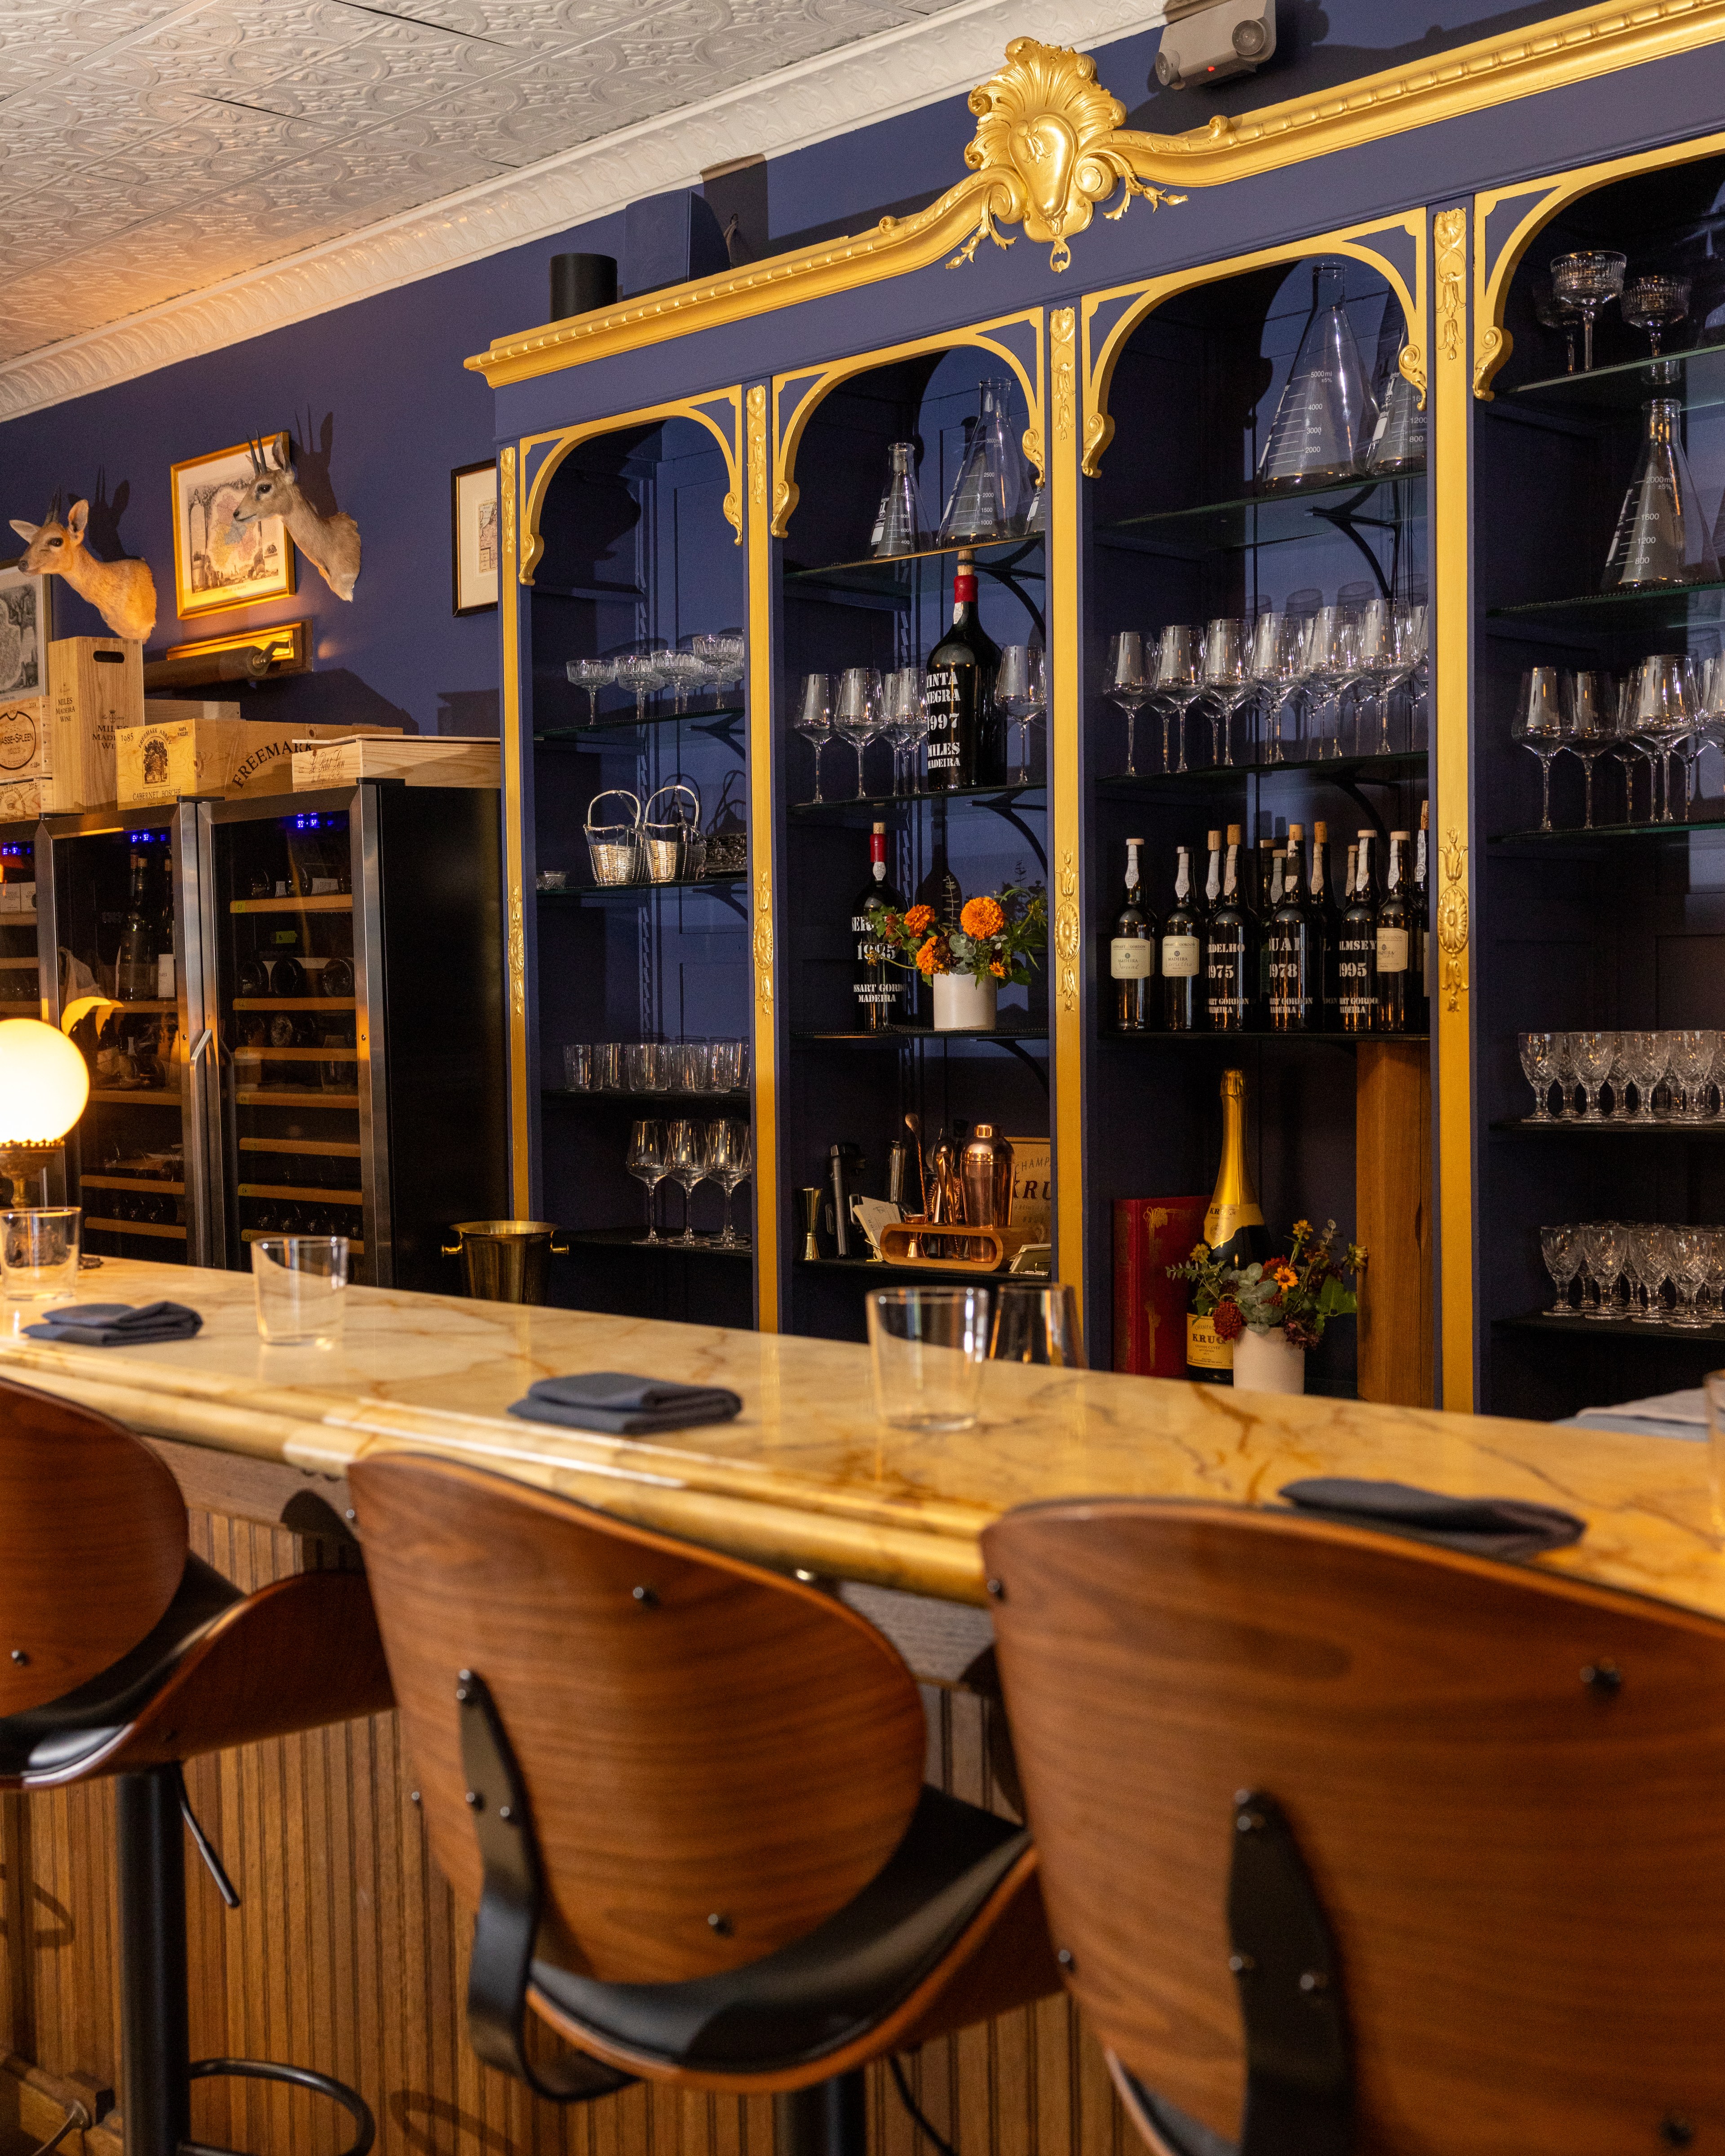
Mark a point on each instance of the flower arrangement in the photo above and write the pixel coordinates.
(1301, 1293)
(1000, 934)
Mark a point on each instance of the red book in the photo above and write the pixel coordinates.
(1150, 1234)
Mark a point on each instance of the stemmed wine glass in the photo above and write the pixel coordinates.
(1540, 726)
(1651, 301)
(1582, 284)
(1649, 1056)
(1127, 683)
(1650, 1261)
(1329, 661)
(814, 718)
(1278, 643)
(592, 674)
(1605, 1246)
(857, 714)
(1689, 1257)
(1228, 684)
(903, 722)
(647, 1164)
(1561, 1249)
(1539, 1067)
(731, 1160)
(1593, 724)
(1563, 1047)
(1550, 316)
(1021, 690)
(1176, 681)
(686, 1163)
(1376, 659)
(1594, 1054)
(1663, 707)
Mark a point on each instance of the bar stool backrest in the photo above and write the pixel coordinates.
(1508, 1789)
(92, 1545)
(716, 1757)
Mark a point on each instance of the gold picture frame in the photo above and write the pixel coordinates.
(213, 571)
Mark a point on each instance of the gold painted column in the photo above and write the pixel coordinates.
(1065, 822)
(1452, 1018)
(515, 840)
(765, 1058)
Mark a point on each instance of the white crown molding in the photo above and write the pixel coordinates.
(873, 79)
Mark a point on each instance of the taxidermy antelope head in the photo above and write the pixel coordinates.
(330, 543)
(122, 593)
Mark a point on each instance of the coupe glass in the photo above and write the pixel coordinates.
(1540, 727)
(592, 674)
(1539, 1067)
(731, 1157)
(1227, 683)
(1176, 681)
(1652, 300)
(1550, 316)
(1594, 1054)
(1561, 1249)
(686, 1163)
(814, 718)
(725, 650)
(683, 673)
(1127, 683)
(857, 713)
(1583, 285)
(1604, 1245)
(1592, 725)
(1689, 1255)
(642, 674)
(1021, 690)
(646, 1163)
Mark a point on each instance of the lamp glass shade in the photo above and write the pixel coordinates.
(44, 1083)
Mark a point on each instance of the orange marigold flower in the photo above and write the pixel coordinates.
(932, 957)
(997, 969)
(982, 918)
(919, 919)
(1284, 1275)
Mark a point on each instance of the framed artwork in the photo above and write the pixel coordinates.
(474, 551)
(217, 564)
(26, 625)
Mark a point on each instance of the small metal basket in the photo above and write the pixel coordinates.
(614, 848)
(673, 846)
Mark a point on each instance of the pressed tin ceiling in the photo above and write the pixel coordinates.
(178, 173)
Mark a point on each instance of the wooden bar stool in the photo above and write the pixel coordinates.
(123, 1654)
(685, 1797)
(1421, 1852)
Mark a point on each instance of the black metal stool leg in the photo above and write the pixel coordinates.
(831, 2119)
(155, 2099)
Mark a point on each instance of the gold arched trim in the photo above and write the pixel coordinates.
(1100, 361)
(1544, 199)
(820, 383)
(706, 411)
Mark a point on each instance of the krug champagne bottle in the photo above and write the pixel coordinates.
(1397, 987)
(1358, 968)
(1182, 976)
(1132, 953)
(1234, 1229)
(960, 699)
(135, 967)
(1230, 963)
(1297, 949)
(879, 987)
(1422, 923)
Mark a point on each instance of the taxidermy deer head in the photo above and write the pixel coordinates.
(122, 593)
(330, 543)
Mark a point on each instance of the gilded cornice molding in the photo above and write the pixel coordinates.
(1049, 151)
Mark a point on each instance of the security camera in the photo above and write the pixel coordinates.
(1209, 40)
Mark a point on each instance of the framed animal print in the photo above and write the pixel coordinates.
(217, 563)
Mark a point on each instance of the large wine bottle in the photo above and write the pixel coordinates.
(1132, 953)
(1397, 985)
(960, 696)
(1234, 1229)
(1230, 966)
(879, 985)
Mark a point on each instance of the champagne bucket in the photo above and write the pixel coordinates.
(506, 1261)
(674, 847)
(614, 849)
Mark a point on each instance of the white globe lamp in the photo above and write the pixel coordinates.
(43, 1086)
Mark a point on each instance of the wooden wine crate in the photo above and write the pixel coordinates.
(98, 687)
(24, 739)
(421, 759)
(185, 746)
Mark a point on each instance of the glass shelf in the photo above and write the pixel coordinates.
(1630, 1126)
(577, 892)
(1581, 840)
(898, 581)
(1622, 614)
(1697, 378)
(1391, 770)
(897, 1036)
(625, 1239)
(622, 722)
(1579, 1327)
(1033, 795)
(880, 1272)
(1227, 1040)
(1268, 520)
(635, 1093)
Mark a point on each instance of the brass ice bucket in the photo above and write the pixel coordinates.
(506, 1261)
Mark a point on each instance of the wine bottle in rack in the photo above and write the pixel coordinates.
(134, 964)
(1395, 980)
(1296, 948)
(1230, 964)
(1422, 923)
(1131, 952)
(1234, 1229)
(879, 986)
(1182, 954)
(960, 688)
(1360, 946)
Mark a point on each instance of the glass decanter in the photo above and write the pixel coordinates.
(1662, 537)
(988, 496)
(899, 528)
(1325, 417)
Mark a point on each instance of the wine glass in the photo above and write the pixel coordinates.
(1539, 1067)
(1592, 725)
(1594, 1055)
(902, 722)
(592, 674)
(1648, 1057)
(1650, 301)
(1021, 690)
(814, 718)
(1176, 681)
(1689, 1257)
(1227, 646)
(1692, 1052)
(731, 1158)
(1540, 726)
(1564, 1054)
(1605, 1246)
(686, 1163)
(1582, 284)
(1330, 662)
(1663, 707)
(646, 1163)
(857, 713)
(1561, 1249)
(1127, 683)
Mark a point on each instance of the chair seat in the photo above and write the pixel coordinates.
(79, 1724)
(822, 1991)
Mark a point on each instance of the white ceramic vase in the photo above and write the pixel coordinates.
(962, 1002)
(1264, 1363)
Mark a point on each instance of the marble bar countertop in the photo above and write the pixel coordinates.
(807, 1476)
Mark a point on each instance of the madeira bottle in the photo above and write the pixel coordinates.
(1397, 983)
(1297, 949)
(1231, 965)
(1358, 967)
(1132, 953)
(960, 682)
(1182, 955)
(878, 985)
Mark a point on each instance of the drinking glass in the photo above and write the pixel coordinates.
(1127, 683)
(1582, 284)
(814, 718)
(39, 1253)
(592, 674)
(730, 1070)
(1592, 725)
(640, 1067)
(607, 1066)
(1034, 1322)
(1716, 1272)
(641, 672)
(1649, 1247)
(1594, 1055)
(647, 1164)
(1618, 1078)
(730, 1155)
(1561, 1249)
(1413, 668)
(724, 651)
(1227, 646)
(1604, 1245)
(686, 1163)
(1650, 1056)
(300, 1282)
(577, 1067)
(1176, 680)
(1663, 705)
(1021, 690)
(1651, 301)
(1689, 1270)
(683, 672)
(927, 1346)
(1540, 726)
(1270, 665)
(1550, 316)
(857, 713)
(1563, 1051)
(1331, 662)
(1692, 1053)
(1539, 1067)
(1377, 661)
(903, 722)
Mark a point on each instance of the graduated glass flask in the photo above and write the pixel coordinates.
(898, 522)
(1325, 418)
(1662, 536)
(1398, 444)
(988, 496)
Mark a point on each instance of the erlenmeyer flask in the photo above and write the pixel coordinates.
(1326, 415)
(987, 495)
(1398, 444)
(898, 522)
(1662, 537)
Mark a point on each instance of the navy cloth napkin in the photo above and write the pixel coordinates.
(1483, 1527)
(117, 1324)
(625, 1406)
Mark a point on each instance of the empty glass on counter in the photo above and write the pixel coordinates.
(927, 1346)
(1325, 416)
(899, 528)
(1036, 1323)
(300, 1282)
(39, 1253)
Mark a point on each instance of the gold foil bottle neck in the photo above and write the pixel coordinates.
(1233, 1202)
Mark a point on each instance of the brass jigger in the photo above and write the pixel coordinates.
(811, 1197)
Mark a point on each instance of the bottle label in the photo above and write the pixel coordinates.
(1131, 958)
(949, 703)
(1205, 1348)
(1392, 950)
(1224, 978)
(1179, 958)
(1222, 1222)
(164, 975)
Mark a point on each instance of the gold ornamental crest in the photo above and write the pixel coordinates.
(1046, 131)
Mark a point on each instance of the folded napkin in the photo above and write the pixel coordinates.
(1666, 1414)
(117, 1324)
(625, 1406)
(1484, 1527)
